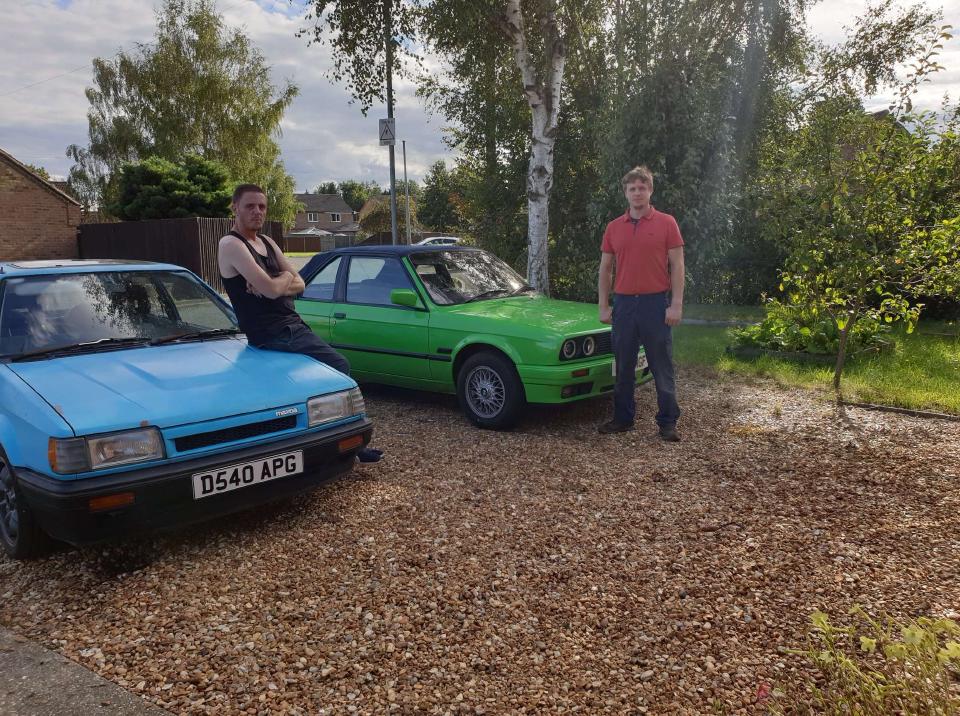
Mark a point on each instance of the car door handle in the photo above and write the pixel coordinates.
(339, 315)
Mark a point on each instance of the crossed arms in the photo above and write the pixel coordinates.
(234, 258)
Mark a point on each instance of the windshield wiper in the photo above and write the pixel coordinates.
(195, 335)
(522, 289)
(487, 294)
(80, 347)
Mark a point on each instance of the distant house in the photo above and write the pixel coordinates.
(324, 212)
(37, 220)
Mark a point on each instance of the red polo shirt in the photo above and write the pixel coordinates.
(640, 248)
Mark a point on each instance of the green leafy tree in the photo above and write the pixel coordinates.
(355, 193)
(869, 206)
(327, 187)
(39, 171)
(438, 204)
(199, 88)
(158, 189)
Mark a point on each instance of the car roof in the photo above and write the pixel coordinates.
(63, 266)
(320, 259)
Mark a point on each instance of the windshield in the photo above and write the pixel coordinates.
(452, 277)
(43, 312)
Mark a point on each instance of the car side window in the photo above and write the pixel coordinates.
(372, 278)
(323, 285)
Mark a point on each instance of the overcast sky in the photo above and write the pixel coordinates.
(48, 45)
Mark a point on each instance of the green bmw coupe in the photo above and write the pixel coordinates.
(454, 319)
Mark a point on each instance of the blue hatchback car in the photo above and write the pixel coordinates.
(129, 401)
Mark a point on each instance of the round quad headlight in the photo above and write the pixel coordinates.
(569, 348)
(589, 346)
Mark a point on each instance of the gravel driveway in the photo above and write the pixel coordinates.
(548, 570)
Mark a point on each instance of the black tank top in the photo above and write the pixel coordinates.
(261, 318)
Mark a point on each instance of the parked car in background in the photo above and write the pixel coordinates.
(438, 241)
(130, 401)
(458, 320)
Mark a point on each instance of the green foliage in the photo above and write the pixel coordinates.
(876, 667)
(158, 189)
(439, 205)
(327, 187)
(803, 328)
(39, 171)
(356, 193)
(199, 88)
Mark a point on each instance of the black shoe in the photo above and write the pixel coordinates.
(669, 434)
(369, 454)
(614, 427)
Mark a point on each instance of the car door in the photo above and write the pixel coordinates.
(316, 303)
(380, 339)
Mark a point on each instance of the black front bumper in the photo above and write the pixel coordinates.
(163, 495)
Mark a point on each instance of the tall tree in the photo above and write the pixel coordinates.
(356, 193)
(200, 88)
(327, 187)
(438, 204)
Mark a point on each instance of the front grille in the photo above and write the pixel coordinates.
(228, 435)
(604, 342)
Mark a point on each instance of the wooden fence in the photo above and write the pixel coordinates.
(191, 243)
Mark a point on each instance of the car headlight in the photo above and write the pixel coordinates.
(589, 346)
(336, 406)
(98, 452)
(569, 348)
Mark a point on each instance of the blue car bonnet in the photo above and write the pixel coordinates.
(175, 384)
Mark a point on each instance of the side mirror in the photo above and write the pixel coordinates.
(405, 297)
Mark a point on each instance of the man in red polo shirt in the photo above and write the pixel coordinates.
(645, 247)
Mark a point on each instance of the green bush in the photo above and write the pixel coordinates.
(805, 329)
(877, 667)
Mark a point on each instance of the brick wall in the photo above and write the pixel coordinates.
(35, 223)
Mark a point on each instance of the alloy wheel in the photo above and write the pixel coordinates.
(485, 392)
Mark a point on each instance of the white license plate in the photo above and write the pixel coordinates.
(641, 364)
(244, 474)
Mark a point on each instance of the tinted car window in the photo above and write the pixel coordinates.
(322, 286)
(372, 278)
(40, 312)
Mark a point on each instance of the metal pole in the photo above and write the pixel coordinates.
(406, 188)
(388, 41)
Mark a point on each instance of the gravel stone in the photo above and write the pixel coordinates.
(544, 570)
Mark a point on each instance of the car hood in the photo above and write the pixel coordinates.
(523, 314)
(175, 384)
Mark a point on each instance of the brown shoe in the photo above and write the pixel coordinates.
(669, 434)
(614, 427)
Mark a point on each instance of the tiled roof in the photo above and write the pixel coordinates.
(19, 166)
(324, 202)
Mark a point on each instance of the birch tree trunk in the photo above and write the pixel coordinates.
(543, 96)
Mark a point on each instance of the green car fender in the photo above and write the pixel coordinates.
(475, 343)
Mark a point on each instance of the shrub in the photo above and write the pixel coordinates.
(800, 328)
(878, 667)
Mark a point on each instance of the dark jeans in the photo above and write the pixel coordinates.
(639, 320)
(300, 339)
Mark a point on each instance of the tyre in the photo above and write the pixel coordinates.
(490, 391)
(22, 538)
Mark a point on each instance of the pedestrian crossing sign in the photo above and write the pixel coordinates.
(388, 132)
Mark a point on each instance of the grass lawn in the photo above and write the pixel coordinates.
(923, 373)
(300, 254)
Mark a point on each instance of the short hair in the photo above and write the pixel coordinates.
(244, 188)
(638, 173)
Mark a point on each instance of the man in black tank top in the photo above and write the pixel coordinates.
(261, 283)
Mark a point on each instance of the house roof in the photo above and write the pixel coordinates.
(324, 202)
(26, 171)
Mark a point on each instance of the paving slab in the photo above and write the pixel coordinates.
(35, 681)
